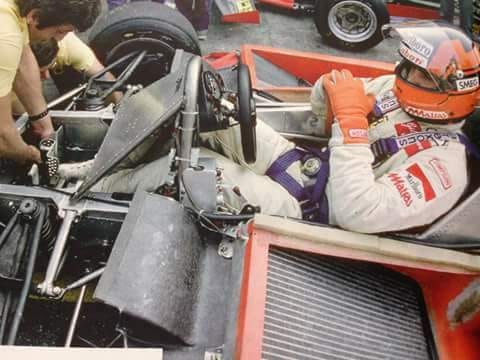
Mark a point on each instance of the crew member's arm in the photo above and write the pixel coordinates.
(12, 145)
(412, 194)
(28, 87)
(96, 67)
(75, 53)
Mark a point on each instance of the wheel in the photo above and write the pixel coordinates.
(247, 116)
(354, 25)
(143, 25)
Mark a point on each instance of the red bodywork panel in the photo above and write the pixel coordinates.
(406, 11)
(285, 4)
(439, 284)
(412, 12)
(250, 17)
(307, 66)
(238, 11)
(304, 65)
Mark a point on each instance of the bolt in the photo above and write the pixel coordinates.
(56, 290)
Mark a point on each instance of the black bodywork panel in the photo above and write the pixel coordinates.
(167, 280)
(138, 118)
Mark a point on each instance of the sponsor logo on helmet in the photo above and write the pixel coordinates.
(467, 84)
(426, 114)
(419, 45)
(399, 183)
(413, 57)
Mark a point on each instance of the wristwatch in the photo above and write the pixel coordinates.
(33, 118)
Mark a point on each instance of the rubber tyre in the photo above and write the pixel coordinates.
(148, 22)
(341, 39)
(246, 115)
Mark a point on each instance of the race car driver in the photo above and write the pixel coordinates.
(395, 161)
(20, 22)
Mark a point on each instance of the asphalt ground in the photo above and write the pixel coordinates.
(280, 28)
(284, 29)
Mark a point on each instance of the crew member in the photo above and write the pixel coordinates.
(22, 21)
(68, 62)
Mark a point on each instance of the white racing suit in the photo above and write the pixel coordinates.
(410, 187)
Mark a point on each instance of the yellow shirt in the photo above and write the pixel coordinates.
(73, 52)
(13, 38)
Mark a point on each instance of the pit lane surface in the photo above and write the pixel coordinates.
(281, 28)
(285, 29)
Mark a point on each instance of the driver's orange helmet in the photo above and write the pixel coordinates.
(449, 61)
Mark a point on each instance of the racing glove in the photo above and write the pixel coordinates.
(349, 105)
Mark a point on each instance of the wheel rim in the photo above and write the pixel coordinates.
(352, 21)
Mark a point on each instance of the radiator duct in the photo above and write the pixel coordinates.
(320, 307)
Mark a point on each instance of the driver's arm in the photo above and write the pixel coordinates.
(408, 192)
(12, 145)
(28, 88)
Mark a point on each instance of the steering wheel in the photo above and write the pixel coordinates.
(246, 115)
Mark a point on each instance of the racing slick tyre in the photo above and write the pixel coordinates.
(143, 26)
(353, 25)
(247, 116)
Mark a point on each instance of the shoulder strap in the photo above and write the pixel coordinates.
(415, 142)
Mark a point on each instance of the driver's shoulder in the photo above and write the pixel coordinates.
(379, 85)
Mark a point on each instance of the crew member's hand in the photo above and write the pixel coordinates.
(42, 128)
(34, 154)
(349, 105)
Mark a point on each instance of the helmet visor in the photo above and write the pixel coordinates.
(442, 54)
